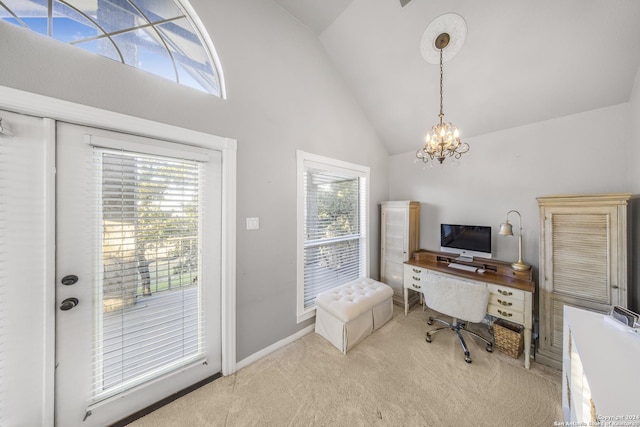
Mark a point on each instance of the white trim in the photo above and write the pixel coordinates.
(43, 106)
(150, 148)
(274, 347)
(49, 326)
(57, 109)
(229, 183)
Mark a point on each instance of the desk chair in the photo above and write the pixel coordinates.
(463, 301)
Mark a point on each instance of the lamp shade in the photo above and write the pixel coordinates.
(506, 229)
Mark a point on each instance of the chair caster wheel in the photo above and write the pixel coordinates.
(427, 338)
(467, 359)
(430, 321)
(490, 348)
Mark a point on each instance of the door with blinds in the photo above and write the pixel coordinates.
(138, 282)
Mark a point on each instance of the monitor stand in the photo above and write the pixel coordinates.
(465, 258)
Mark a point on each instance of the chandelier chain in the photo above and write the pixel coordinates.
(441, 90)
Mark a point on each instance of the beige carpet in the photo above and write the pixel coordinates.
(392, 378)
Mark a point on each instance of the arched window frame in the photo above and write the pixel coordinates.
(211, 80)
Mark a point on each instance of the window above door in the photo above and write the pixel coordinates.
(163, 37)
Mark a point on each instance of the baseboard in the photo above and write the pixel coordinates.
(273, 347)
(549, 359)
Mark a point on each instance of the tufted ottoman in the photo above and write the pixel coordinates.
(347, 314)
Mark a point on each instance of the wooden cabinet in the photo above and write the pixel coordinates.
(399, 238)
(511, 292)
(600, 374)
(583, 262)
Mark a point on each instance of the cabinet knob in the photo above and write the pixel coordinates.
(614, 287)
(415, 270)
(416, 278)
(505, 303)
(505, 313)
(505, 293)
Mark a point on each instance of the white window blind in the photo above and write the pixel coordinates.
(334, 226)
(147, 282)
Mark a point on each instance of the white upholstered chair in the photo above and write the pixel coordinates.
(463, 301)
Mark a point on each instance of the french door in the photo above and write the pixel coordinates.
(138, 272)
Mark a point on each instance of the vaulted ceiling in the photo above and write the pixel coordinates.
(523, 61)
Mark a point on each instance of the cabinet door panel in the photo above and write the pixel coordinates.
(583, 248)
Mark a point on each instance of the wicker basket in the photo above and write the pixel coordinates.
(509, 337)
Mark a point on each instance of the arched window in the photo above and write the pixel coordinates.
(164, 37)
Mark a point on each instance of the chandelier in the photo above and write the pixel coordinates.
(443, 140)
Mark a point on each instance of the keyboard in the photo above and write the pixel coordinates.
(463, 267)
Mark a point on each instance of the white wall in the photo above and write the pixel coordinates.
(508, 169)
(283, 95)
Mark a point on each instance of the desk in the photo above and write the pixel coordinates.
(511, 292)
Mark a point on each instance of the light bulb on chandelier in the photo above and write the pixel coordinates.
(443, 140)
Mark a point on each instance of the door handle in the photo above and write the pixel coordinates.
(68, 304)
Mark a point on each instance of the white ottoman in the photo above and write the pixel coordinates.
(347, 314)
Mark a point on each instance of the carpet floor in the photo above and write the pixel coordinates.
(391, 378)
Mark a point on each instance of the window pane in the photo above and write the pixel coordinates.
(332, 205)
(193, 62)
(31, 13)
(157, 10)
(130, 31)
(149, 278)
(111, 16)
(142, 50)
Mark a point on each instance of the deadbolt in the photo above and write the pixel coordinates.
(71, 279)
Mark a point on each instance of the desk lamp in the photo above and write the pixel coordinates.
(507, 230)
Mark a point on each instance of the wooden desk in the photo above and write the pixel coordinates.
(511, 292)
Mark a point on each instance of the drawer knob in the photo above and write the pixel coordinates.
(504, 313)
(416, 278)
(505, 303)
(417, 286)
(505, 293)
(415, 270)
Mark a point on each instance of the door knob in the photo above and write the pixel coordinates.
(68, 304)
(71, 279)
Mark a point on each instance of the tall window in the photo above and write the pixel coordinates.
(163, 37)
(332, 226)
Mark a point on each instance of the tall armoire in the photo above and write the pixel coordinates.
(583, 261)
(399, 238)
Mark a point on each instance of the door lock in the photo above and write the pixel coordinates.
(68, 304)
(71, 279)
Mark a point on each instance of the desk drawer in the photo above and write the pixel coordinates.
(412, 277)
(506, 292)
(506, 313)
(509, 303)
